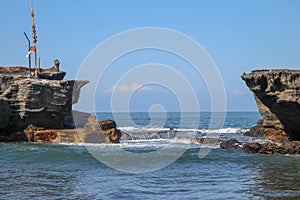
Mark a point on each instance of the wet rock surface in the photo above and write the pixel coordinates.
(230, 144)
(256, 131)
(286, 147)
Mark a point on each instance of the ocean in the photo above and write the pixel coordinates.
(156, 159)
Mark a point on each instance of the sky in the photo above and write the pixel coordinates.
(239, 36)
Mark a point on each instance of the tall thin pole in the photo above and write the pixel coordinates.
(29, 56)
(34, 38)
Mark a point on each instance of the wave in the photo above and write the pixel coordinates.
(148, 137)
(191, 138)
(154, 133)
(145, 145)
(132, 129)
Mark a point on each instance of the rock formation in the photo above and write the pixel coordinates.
(109, 129)
(257, 131)
(277, 93)
(230, 144)
(43, 101)
(90, 133)
(286, 147)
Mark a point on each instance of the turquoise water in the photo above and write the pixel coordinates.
(70, 171)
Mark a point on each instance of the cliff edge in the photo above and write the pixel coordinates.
(277, 93)
(39, 108)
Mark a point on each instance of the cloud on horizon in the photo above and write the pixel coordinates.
(239, 92)
(127, 88)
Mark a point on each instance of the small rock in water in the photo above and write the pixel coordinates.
(230, 144)
(256, 131)
(107, 124)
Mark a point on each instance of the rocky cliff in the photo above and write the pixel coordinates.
(277, 93)
(44, 101)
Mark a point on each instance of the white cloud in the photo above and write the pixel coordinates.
(239, 92)
(127, 88)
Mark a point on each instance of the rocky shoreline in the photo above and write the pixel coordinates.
(277, 94)
(38, 108)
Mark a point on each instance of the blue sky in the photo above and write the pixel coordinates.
(240, 36)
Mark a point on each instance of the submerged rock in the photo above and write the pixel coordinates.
(231, 144)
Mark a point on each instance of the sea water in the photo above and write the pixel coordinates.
(147, 167)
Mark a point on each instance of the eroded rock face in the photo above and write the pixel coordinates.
(39, 101)
(277, 93)
(90, 133)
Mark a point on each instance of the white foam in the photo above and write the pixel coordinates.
(158, 129)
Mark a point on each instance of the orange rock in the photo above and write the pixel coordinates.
(275, 135)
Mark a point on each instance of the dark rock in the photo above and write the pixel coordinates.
(230, 144)
(252, 147)
(286, 147)
(277, 94)
(107, 124)
(55, 67)
(113, 135)
(256, 131)
(52, 75)
(168, 134)
(5, 112)
(205, 140)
